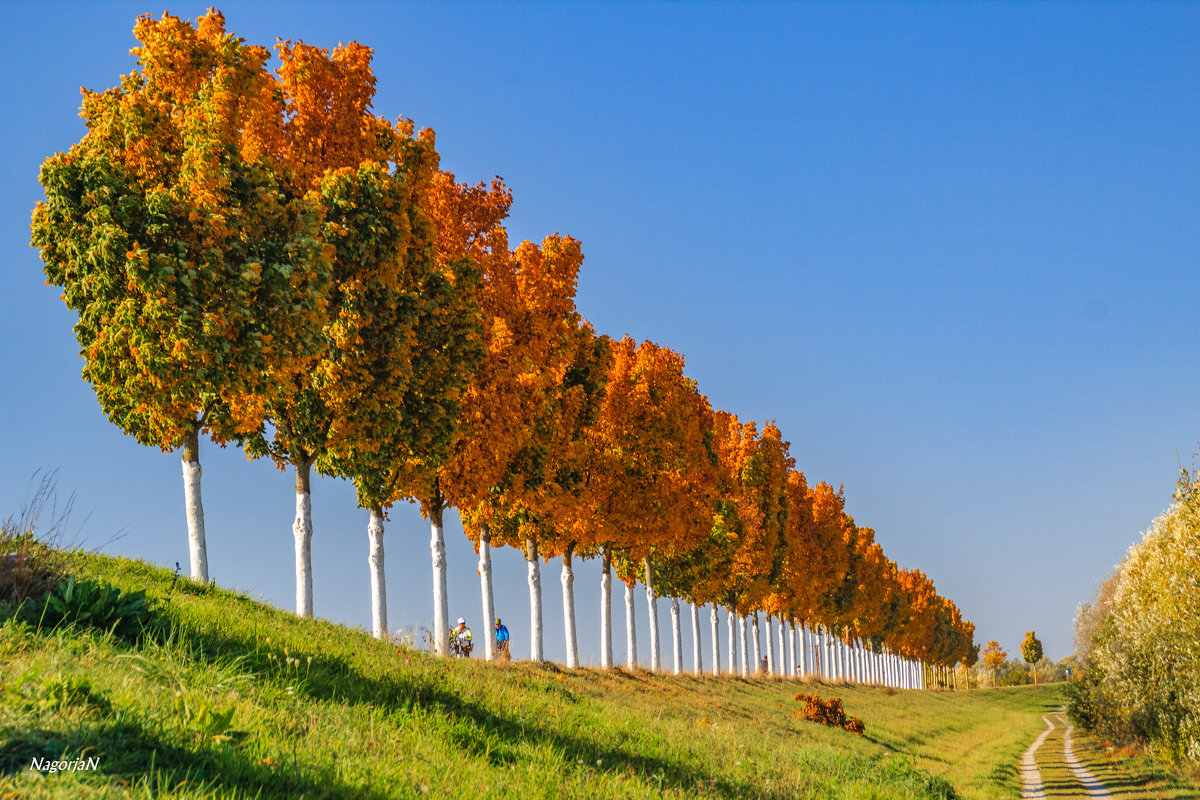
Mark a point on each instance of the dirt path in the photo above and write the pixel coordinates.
(1031, 776)
(1093, 787)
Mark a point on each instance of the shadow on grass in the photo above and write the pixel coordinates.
(483, 733)
(486, 734)
(127, 752)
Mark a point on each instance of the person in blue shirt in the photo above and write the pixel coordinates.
(502, 641)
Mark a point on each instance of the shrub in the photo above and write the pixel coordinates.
(1140, 644)
(827, 712)
(1014, 675)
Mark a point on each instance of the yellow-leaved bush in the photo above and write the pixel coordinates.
(1141, 681)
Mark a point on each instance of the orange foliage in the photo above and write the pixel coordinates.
(530, 332)
(827, 712)
(651, 479)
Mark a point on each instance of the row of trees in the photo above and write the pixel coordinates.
(258, 258)
(1138, 641)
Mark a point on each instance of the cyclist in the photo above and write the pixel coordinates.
(460, 640)
(502, 641)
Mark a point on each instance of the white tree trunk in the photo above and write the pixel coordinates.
(487, 593)
(714, 624)
(441, 599)
(630, 630)
(801, 650)
(676, 638)
(745, 656)
(194, 509)
(805, 656)
(731, 644)
(606, 648)
(568, 588)
(535, 600)
(772, 661)
(754, 646)
(826, 662)
(697, 664)
(791, 649)
(814, 652)
(379, 624)
(651, 601)
(302, 531)
(784, 669)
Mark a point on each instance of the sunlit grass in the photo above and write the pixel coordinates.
(232, 698)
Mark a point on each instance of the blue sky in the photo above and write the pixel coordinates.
(950, 248)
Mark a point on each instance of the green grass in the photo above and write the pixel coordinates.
(1125, 775)
(227, 697)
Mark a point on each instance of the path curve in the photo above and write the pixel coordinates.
(1031, 776)
(1093, 787)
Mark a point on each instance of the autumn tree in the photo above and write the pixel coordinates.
(192, 254)
(556, 478)
(530, 333)
(1031, 651)
(401, 331)
(993, 656)
(535, 506)
(651, 476)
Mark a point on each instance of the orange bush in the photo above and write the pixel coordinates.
(827, 712)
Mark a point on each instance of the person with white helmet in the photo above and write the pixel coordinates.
(460, 640)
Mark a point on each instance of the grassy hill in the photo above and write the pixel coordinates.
(226, 697)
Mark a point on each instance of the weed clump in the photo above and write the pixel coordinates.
(827, 712)
(28, 569)
(96, 605)
(30, 563)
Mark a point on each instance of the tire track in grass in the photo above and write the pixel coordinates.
(1031, 776)
(1091, 785)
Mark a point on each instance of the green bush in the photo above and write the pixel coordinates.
(1013, 676)
(96, 605)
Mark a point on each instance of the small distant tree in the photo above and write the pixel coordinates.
(1031, 651)
(994, 656)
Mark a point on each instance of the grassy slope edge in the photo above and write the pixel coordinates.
(237, 699)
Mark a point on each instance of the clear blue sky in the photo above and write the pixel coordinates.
(951, 248)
